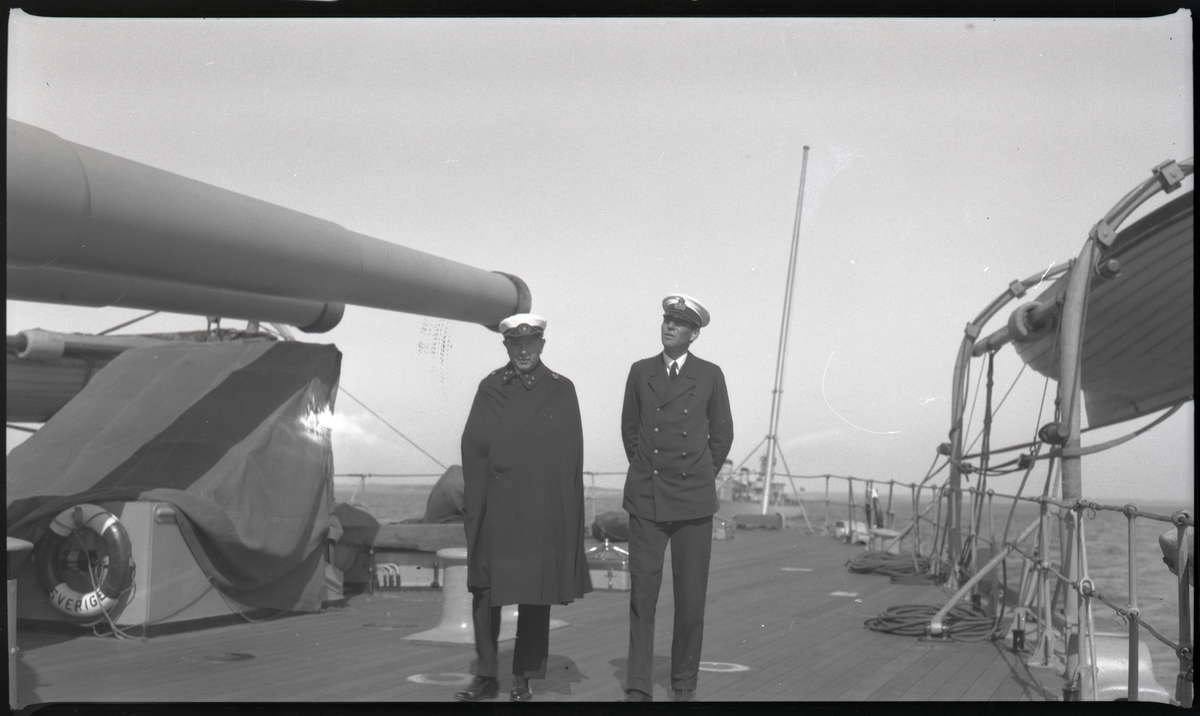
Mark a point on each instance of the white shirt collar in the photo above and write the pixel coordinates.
(680, 361)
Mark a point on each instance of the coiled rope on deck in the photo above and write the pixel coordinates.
(963, 622)
(900, 567)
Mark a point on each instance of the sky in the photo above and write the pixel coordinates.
(610, 162)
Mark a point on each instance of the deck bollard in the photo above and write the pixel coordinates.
(457, 625)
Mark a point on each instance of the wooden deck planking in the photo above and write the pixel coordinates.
(796, 652)
(866, 656)
(1027, 683)
(853, 660)
(924, 688)
(283, 654)
(899, 684)
(874, 677)
(799, 642)
(819, 640)
(987, 683)
(975, 667)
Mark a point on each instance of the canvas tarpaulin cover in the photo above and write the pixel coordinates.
(231, 434)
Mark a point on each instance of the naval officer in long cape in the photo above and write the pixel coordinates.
(522, 453)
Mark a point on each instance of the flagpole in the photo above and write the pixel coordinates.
(781, 355)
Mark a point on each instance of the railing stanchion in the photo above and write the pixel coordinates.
(827, 504)
(991, 520)
(1133, 689)
(916, 497)
(1045, 609)
(1183, 681)
(850, 507)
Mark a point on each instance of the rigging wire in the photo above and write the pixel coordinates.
(126, 323)
(393, 428)
(1001, 403)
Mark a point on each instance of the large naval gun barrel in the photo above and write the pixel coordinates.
(89, 228)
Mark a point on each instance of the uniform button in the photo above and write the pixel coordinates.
(684, 432)
(656, 451)
(685, 411)
(685, 455)
(655, 472)
(656, 430)
(657, 409)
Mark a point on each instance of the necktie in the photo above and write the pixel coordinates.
(674, 371)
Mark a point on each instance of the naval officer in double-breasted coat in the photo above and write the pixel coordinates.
(677, 429)
(522, 452)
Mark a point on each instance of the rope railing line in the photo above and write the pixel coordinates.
(1126, 614)
(1179, 517)
(1091, 591)
(387, 474)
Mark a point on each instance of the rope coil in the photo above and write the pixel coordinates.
(892, 565)
(963, 622)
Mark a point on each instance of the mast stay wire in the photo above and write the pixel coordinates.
(126, 323)
(393, 428)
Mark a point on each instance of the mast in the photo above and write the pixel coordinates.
(781, 354)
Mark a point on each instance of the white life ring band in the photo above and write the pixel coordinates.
(120, 563)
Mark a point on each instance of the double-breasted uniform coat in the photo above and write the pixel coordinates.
(677, 435)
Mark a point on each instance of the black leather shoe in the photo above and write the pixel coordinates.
(482, 687)
(520, 690)
(685, 695)
(633, 695)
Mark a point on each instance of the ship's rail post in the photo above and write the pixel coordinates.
(991, 519)
(916, 513)
(850, 510)
(970, 545)
(1086, 588)
(1131, 519)
(1184, 680)
(869, 504)
(940, 495)
(827, 503)
(891, 516)
(1045, 607)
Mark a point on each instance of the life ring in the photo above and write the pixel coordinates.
(117, 573)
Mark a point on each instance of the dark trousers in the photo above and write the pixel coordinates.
(533, 636)
(691, 547)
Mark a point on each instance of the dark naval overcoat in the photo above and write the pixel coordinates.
(676, 436)
(522, 454)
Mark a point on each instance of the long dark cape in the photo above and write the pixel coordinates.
(522, 453)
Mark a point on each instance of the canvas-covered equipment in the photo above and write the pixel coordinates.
(234, 435)
(445, 504)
